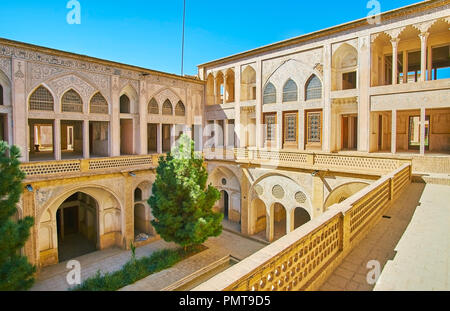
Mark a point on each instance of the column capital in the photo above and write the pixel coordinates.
(424, 36)
(394, 42)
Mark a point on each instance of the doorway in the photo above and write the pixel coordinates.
(225, 204)
(349, 132)
(414, 133)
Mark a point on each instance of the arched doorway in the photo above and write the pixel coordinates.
(343, 192)
(77, 226)
(301, 217)
(225, 204)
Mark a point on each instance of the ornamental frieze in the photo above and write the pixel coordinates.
(5, 66)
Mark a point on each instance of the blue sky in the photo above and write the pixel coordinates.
(147, 33)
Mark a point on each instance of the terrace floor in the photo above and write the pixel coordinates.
(412, 246)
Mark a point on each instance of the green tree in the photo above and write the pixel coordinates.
(182, 202)
(16, 273)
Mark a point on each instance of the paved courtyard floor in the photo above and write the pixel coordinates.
(412, 246)
(53, 278)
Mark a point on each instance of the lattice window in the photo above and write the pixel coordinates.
(270, 94)
(124, 104)
(290, 91)
(99, 104)
(290, 130)
(71, 102)
(42, 99)
(153, 107)
(313, 88)
(314, 127)
(1, 95)
(278, 192)
(180, 110)
(270, 121)
(167, 109)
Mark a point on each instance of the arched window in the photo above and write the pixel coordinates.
(1, 95)
(124, 104)
(167, 109)
(313, 88)
(137, 195)
(42, 99)
(71, 102)
(153, 107)
(270, 94)
(99, 104)
(180, 110)
(290, 91)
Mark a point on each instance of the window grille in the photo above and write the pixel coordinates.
(99, 104)
(290, 91)
(153, 107)
(314, 88)
(71, 102)
(167, 109)
(180, 110)
(42, 99)
(270, 94)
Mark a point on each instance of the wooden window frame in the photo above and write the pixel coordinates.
(313, 145)
(290, 144)
(273, 141)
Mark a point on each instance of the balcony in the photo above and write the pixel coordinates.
(86, 167)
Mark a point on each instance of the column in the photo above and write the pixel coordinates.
(423, 54)
(258, 108)
(430, 63)
(302, 129)
(279, 134)
(215, 90)
(394, 60)
(115, 118)
(226, 137)
(317, 197)
(159, 138)
(19, 122)
(172, 136)
(142, 140)
(224, 100)
(393, 132)
(327, 100)
(422, 130)
(405, 66)
(270, 224)
(86, 151)
(57, 139)
(290, 221)
(237, 107)
(363, 101)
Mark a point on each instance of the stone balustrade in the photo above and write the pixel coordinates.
(35, 170)
(362, 164)
(303, 259)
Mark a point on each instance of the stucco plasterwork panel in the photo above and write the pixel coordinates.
(5, 66)
(60, 85)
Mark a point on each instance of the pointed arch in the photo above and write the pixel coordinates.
(180, 110)
(313, 88)
(270, 94)
(41, 99)
(125, 104)
(290, 91)
(98, 104)
(153, 107)
(248, 84)
(71, 102)
(167, 108)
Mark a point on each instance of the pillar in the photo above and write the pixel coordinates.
(258, 108)
(142, 140)
(364, 96)
(237, 107)
(422, 130)
(279, 132)
(290, 220)
(57, 139)
(159, 138)
(393, 132)
(19, 109)
(86, 136)
(270, 225)
(423, 54)
(226, 138)
(317, 197)
(394, 60)
(405, 66)
(430, 63)
(327, 100)
(302, 129)
(115, 117)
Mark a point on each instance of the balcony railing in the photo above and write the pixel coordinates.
(70, 167)
(303, 259)
(318, 161)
